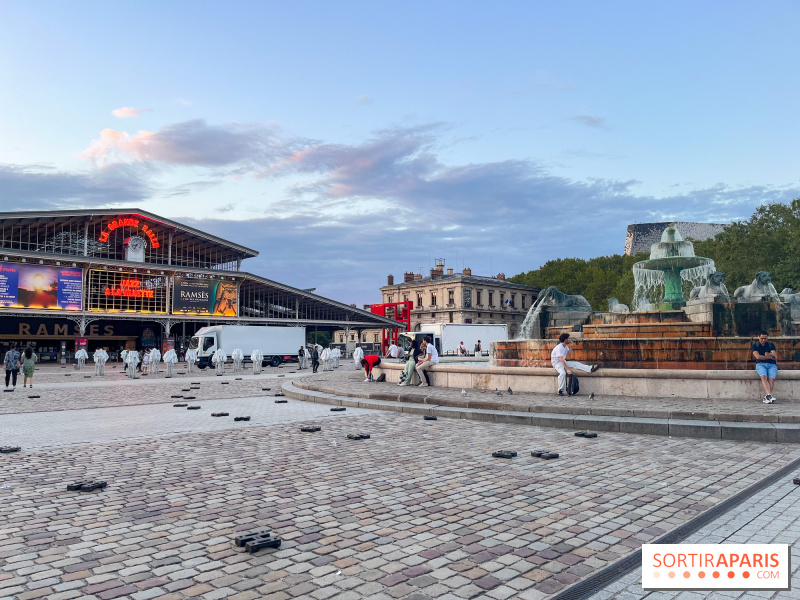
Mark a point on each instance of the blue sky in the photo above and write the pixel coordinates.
(349, 140)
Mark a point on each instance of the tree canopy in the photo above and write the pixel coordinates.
(768, 241)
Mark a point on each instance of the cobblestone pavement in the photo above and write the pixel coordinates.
(59, 393)
(419, 511)
(48, 429)
(346, 381)
(771, 516)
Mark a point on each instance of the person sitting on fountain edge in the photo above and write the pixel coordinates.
(766, 356)
(558, 359)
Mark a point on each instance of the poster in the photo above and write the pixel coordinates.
(41, 286)
(204, 297)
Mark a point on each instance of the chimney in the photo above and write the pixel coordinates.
(449, 271)
(467, 272)
(417, 276)
(390, 280)
(435, 274)
(408, 277)
(501, 276)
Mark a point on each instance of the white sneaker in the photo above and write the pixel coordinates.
(423, 384)
(366, 380)
(766, 400)
(771, 398)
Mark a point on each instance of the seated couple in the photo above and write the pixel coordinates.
(421, 358)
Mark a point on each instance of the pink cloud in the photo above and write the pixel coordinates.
(127, 112)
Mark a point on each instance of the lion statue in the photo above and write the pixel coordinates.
(713, 289)
(788, 296)
(761, 290)
(551, 296)
(614, 306)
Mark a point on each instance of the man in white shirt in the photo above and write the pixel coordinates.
(431, 358)
(558, 358)
(392, 351)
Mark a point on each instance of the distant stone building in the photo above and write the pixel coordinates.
(448, 297)
(643, 235)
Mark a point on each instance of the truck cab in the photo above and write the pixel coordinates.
(205, 345)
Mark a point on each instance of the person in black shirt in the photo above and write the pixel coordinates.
(766, 364)
(315, 359)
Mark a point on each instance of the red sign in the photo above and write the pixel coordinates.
(129, 222)
(130, 288)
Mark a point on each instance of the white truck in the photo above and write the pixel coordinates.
(277, 344)
(447, 336)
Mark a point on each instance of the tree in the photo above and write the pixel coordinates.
(768, 241)
(596, 279)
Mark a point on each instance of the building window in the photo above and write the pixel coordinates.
(467, 298)
(341, 338)
(513, 300)
(478, 296)
(502, 299)
(451, 316)
(389, 299)
(433, 298)
(451, 297)
(419, 300)
(491, 299)
(405, 297)
(523, 301)
(376, 338)
(352, 337)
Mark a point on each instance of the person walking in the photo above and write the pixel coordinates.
(315, 359)
(407, 376)
(301, 358)
(28, 360)
(145, 362)
(12, 365)
(766, 356)
(558, 360)
(431, 357)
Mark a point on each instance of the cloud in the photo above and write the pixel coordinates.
(363, 101)
(192, 143)
(589, 121)
(547, 80)
(41, 186)
(127, 112)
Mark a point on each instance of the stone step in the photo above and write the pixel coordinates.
(419, 404)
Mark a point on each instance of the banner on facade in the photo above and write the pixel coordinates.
(204, 297)
(40, 286)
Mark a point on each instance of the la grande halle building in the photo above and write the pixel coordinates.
(131, 279)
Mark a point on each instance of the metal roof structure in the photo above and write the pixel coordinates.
(100, 241)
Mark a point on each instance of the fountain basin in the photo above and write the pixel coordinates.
(662, 352)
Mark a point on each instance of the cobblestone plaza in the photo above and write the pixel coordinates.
(419, 510)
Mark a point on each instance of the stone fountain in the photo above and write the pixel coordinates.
(672, 261)
(713, 330)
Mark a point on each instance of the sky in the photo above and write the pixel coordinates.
(345, 141)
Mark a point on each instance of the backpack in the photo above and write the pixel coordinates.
(381, 377)
(572, 385)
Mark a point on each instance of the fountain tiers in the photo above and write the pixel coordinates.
(704, 335)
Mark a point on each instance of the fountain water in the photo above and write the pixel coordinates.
(672, 261)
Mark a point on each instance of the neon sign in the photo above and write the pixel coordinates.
(129, 288)
(129, 222)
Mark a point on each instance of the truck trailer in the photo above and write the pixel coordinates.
(277, 344)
